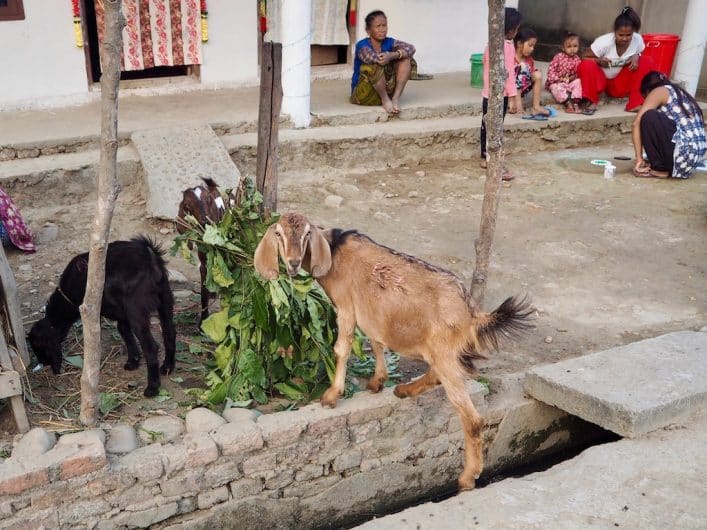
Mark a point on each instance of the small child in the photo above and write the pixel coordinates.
(528, 78)
(562, 80)
(513, 20)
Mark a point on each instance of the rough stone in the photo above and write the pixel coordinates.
(145, 463)
(333, 201)
(160, 429)
(184, 483)
(221, 473)
(80, 453)
(140, 519)
(121, 439)
(176, 277)
(48, 232)
(259, 463)
(203, 420)
(282, 428)
(77, 512)
(238, 438)
(34, 443)
(246, 487)
(347, 460)
(238, 415)
(208, 498)
(201, 450)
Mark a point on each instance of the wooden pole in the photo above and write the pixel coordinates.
(108, 190)
(268, 124)
(494, 126)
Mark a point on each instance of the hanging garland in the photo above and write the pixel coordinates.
(204, 22)
(352, 13)
(78, 35)
(263, 16)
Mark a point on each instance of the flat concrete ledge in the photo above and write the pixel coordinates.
(632, 389)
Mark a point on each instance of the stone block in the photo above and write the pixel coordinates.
(88, 453)
(239, 415)
(364, 431)
(255, 465)
(201, 450)
(34, 443)
(347, 460)
(221, 473)
(187, 482)
(282, 428)
(15, 479)
(311, 487)
(246, 487)
(145, 463)
(308, 472)
(201, 419)
(161, 429)
(632, 389)
(78, 511)
(238, 439)
(122, 438)
(208, 498)
(142, 518)
(280, 479)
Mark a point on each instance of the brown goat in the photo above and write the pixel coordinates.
(399, 302)
(206, 205)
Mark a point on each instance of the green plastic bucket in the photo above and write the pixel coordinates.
(477, 70)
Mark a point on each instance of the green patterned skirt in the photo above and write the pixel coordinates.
(365, 94)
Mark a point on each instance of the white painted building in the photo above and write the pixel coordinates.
(44, 67)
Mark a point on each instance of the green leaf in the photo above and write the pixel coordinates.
(75, 360)
(163, 395)
(215, 326)
(213, 236)
(223, 355)
(108, 402)
(260, 309)
(220, 273)
(291, 391)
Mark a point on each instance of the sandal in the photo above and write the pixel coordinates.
(536, 117)
(483, 163)
(588, 111)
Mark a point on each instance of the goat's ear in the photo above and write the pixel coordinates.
(320, 254)
(265, 259)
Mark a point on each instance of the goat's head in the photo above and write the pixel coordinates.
(299, 242)
(46, 344)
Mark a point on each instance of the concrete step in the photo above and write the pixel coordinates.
(53, 176)
(176, 158)
(632, 389)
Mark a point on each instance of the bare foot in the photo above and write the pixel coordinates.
(389, 108)
(541, 110)
(396, 105)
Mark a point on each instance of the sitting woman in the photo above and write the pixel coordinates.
(382, 66)
(670, 127)
(614, 63)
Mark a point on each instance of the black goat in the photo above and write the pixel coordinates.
(136, 285)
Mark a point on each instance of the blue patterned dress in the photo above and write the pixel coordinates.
(689, 137)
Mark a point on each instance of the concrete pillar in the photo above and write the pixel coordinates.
(692, 46)
(296, 24)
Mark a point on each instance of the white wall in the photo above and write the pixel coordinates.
(40, 58)
(445, 33)
(231, 55)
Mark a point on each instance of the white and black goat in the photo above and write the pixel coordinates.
(206, 205)
(136, 285)
(399, 302)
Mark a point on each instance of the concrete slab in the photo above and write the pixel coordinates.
(176, 158)
(653, 482)
(632, 389)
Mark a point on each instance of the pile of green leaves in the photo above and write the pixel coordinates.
(271, 337)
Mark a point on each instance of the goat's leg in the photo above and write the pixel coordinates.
(450, 375)
(418, 386)
(126, 333)
(169, 334)
(380, 376)
(342, 349)
(205, 294)
(140, 323)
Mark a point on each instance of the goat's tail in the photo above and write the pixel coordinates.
(509, 319)
(157, 253)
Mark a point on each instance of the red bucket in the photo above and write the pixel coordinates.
(661, 47)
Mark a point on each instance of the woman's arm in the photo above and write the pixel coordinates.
(403, 50)
(657, 97)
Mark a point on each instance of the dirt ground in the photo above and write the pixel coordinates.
(604, 262)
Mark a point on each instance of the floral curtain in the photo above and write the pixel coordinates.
(158, 33)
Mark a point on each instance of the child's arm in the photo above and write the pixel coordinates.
(553, 72)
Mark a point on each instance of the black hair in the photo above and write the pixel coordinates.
(513, 19)
(370, 16)
(524, 35)
(628, 18)
(655, 79)
(567, 35)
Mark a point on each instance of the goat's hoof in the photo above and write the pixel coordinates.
(131, 365)
(151, 392)
(167, 369)
(400, 392)
(375, 386)
(329, 399)
(466, 484)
